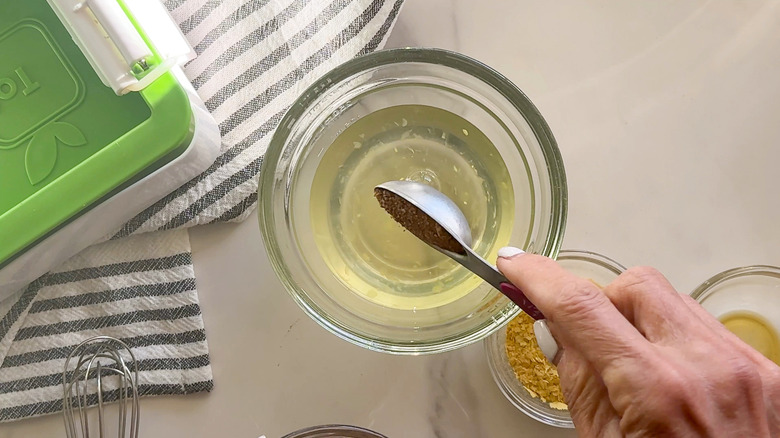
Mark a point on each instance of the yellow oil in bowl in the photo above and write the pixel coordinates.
(754, 331)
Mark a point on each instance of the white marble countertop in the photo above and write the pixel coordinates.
(667, 114)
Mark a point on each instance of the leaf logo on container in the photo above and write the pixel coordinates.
(41, 155)
(38, 87)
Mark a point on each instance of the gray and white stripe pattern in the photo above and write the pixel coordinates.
(254, 58)
(146, 298)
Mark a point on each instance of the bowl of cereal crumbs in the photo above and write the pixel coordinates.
(527, 379)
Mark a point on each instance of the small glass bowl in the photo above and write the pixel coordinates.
(334, 431)
(394, 78)
(586, 264)
(750, 289)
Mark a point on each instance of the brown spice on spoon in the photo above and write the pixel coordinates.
(416, 221)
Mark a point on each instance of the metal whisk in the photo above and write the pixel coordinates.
(101, 375)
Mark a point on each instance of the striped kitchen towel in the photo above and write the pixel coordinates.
(140, 289)
(254, 58)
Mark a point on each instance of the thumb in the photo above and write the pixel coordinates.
(579, 314)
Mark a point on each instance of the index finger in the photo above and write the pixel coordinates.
(580, 315)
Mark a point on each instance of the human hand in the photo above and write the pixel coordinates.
(640, 359)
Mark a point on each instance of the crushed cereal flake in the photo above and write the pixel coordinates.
(537, 375)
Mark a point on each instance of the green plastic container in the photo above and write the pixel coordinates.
(69, 142)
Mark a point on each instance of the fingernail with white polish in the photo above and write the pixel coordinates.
(545, 340)
(508, 252)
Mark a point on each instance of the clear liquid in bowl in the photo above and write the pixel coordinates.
(364, 247)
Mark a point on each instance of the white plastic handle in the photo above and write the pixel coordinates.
(116, 49)
(121, 30)
(546, 341)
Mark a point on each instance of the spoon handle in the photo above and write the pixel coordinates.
(518, 297)
(476, 264)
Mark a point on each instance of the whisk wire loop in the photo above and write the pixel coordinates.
(95, 359)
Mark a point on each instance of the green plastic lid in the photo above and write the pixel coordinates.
(67, 141)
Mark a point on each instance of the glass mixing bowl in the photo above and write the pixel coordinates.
(747, 301)
(497, 120)
(334, 431)
(586, 264)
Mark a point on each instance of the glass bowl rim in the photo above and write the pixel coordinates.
(513, 96)
(592, 257)
(700, 293)
(307, 431)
